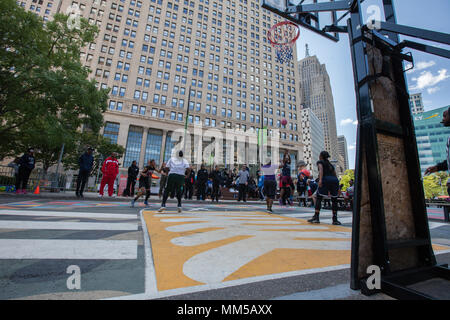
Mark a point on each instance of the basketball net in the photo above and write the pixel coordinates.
(282, 37)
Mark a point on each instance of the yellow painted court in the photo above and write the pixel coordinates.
(199, 248)
(209, 248)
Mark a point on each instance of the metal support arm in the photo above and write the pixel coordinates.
(320, 7)
(416, 32)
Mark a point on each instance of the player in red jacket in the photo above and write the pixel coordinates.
(110, 169)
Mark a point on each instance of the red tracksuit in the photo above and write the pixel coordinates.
(110, 169)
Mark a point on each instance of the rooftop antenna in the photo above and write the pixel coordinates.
(307, 51)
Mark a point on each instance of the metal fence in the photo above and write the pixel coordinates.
(47, 182)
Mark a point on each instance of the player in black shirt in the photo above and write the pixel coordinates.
(145, 182)
(328, 183)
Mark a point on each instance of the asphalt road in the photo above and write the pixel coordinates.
(124, 252)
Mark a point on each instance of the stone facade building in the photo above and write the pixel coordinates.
(161, 58)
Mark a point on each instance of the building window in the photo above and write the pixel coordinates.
(133, 148)
(168, 147)
(111, 131)
(153, 145)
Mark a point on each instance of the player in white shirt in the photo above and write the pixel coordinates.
(177, 173)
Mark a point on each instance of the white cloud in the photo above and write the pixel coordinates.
(433, 90)
(421, 66)
(348, 121)
(427, 79)
(351, 146)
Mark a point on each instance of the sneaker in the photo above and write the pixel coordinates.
(146, 203)
(336, 222)
(179, 210)
(161, 209)
(100, 195)
(269, 211)
(81, 196)
(19, 191)
(132, 203)
(24, 191)
(314, 219)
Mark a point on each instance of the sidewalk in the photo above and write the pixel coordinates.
(91, 196)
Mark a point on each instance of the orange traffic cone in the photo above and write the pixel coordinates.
(37, 190)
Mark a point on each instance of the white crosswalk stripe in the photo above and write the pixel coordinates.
(67, 214)
(49, 248)
(67, 249)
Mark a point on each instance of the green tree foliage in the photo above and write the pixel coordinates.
(46, 97)
(103, 148)
(346, 177)
(434, 185)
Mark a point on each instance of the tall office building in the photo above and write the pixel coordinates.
(162, 57)
(313, 140)
(316, 94)
(431, 136)
(343, 153)
(416, 103)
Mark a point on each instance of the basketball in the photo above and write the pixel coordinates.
(306, 173)
(284, 122)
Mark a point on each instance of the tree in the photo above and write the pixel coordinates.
(102, 146)
(434, 185)
(45, 94)
(346, 177)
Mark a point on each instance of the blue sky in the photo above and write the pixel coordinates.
(431, 74)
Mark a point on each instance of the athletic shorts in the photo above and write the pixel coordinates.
(144, 183)
(175, 182)
(270, 188)
(330, 184)
(286, 181)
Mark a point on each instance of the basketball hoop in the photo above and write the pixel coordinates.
(282, 37)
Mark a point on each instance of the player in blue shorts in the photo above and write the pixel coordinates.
(328, 184)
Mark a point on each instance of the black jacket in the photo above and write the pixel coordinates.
(216, 177)
(190, 179)
(86, 161)
(202, 176)
(27, 161)
(133, 172)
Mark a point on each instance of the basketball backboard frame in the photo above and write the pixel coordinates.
(309, 20)
(370, 228)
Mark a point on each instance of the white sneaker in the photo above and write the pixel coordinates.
(179, 210)
(100, 195)
(161, 209)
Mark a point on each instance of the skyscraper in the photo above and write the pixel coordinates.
(316, 94)
(161, 58)
(343, 153)
(416, 103)
(431, 136)
(313, 140)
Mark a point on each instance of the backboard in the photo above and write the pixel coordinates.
(314, 21)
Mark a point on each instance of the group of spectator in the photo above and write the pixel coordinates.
(204, 184)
